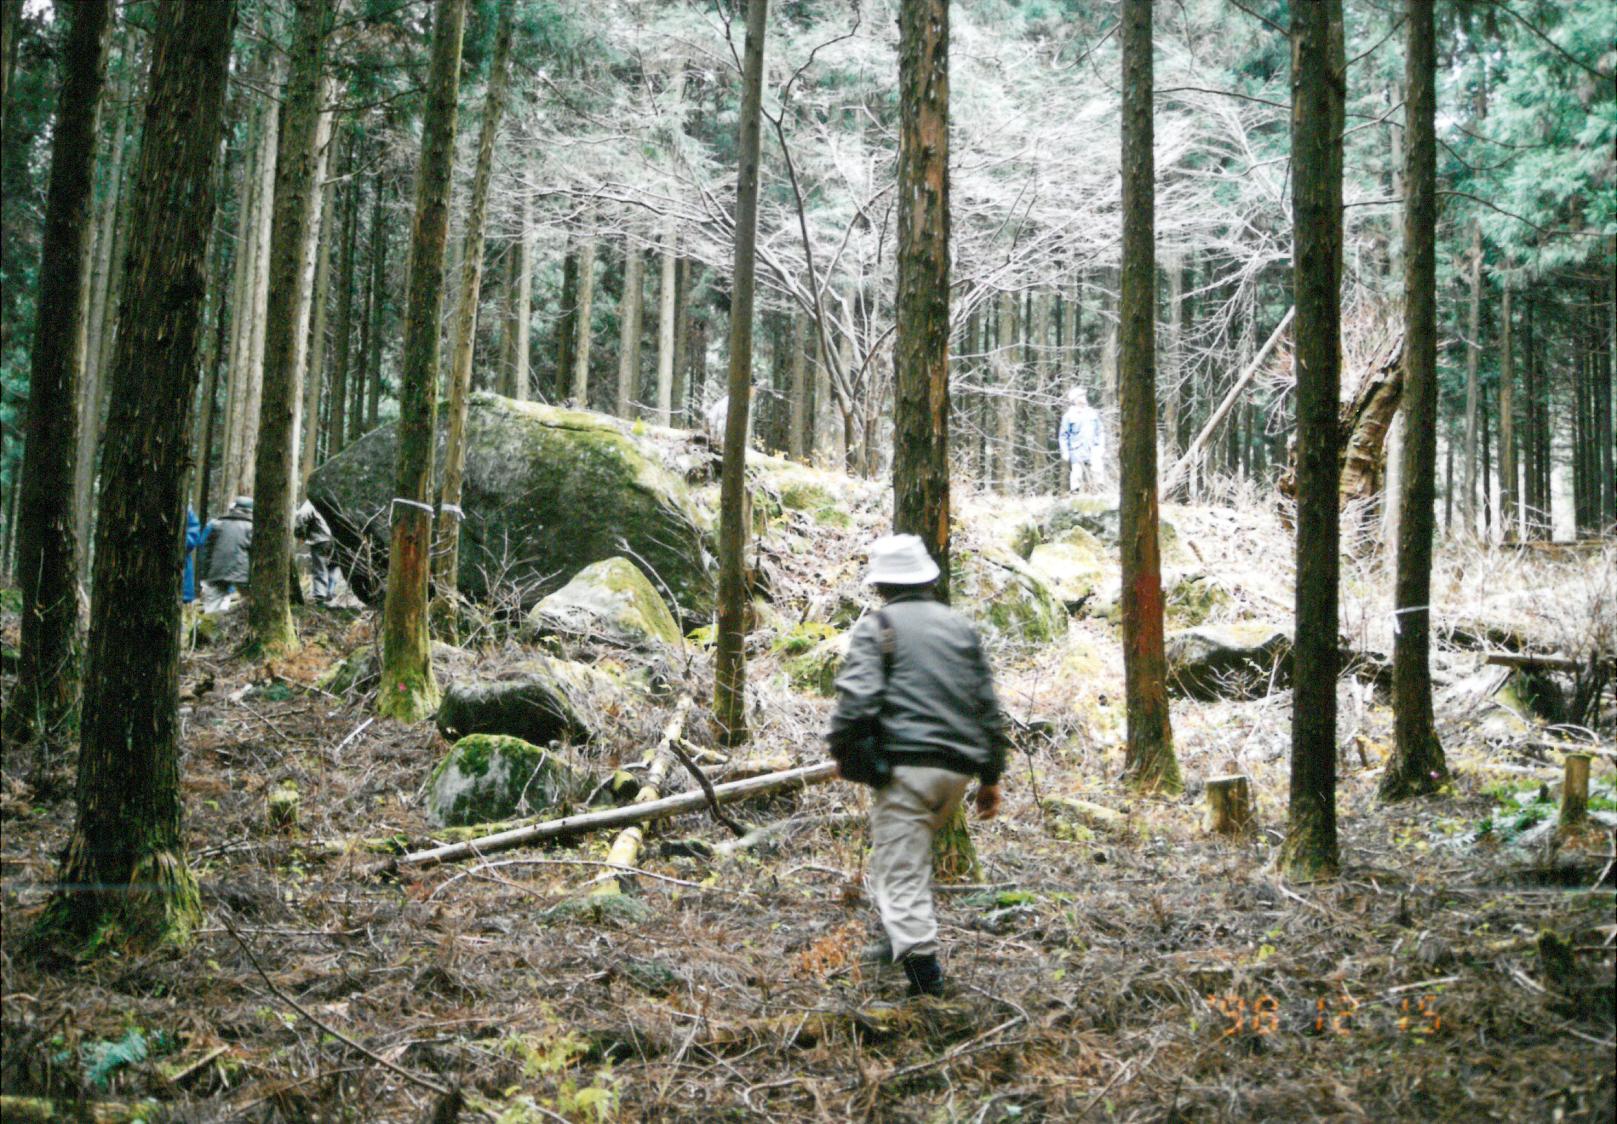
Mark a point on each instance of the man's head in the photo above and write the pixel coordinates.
(1075, 396)
(900, 564)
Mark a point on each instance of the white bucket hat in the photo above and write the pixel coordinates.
(1077, 396)
(900, 560)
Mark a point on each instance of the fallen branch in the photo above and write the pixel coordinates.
(1543, 663)
(801, 777)
(626, 847)
(707, 788)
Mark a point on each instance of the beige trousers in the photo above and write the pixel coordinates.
(907, 813)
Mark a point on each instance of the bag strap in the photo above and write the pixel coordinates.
(888, 640)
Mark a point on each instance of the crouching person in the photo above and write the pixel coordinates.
(916, 718)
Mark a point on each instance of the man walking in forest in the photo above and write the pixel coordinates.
(916, 718)
(226, 545)
(1080, 439)
(310, 526)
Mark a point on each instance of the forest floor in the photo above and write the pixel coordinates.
(1461, 966)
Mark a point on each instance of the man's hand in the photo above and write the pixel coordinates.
(987, 801)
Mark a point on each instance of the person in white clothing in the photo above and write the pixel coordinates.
(1082, 443)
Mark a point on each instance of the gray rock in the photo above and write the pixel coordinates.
(1005, 597)
(486, 778)
(1228, 661)
(609, 600)
(539, 700)
(548, 491)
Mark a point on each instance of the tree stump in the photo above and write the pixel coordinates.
(1575, 790)
(1229, 804)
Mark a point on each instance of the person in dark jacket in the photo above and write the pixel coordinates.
(932, 693)
(226, 545)
(193, 539)
(310, 526)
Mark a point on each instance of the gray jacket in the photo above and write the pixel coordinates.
(938, 705)
(226, 545)
(309, 525)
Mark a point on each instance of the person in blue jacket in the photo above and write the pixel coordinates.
(193, 539)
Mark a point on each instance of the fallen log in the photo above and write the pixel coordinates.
(801, 777)
(1529, 662)
(626, 847)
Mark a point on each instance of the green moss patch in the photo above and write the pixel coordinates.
(486, 778)
(610, 600)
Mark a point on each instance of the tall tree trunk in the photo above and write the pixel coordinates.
(240, 307)
(798, 389)
(1174, 367)
(208, 426)
(258, 321)
(96, 325)
(682, 341)
(1507, 422)
(446, 551)
(567, 318)
(269, 607)
(729, 664)
(408, 690)
(373, 356)
(42, 704)
(1005, 369)
(629, 322)
(337, 429)
(314, 369)
(921, 352)
(125, 863)
(1149, 761)
(522, 299)
(1416, 765)
(581, 336)
(1316, 145)
(665, 331)
(1473, 394)
(303, 347)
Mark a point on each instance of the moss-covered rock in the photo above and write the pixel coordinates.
(1228, 661)
(815, 671)
(539, 700)
(799, 494)
(1096, 517)
(609, 600)
(547, 492)
(486, 778)
(1192, 598)
(1072, 570)
(800, 637)
(1007, 599)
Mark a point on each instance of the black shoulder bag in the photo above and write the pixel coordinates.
(858, 751)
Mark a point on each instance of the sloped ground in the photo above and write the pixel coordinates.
(1148, 973)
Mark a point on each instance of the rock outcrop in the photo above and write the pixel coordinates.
(548, 491)
(1005, 597)
(538, 700)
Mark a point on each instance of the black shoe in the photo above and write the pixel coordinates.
(925, 974)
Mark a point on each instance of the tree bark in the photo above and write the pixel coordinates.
(125, 863)
(378, 302)
(581, 342)
(522, 311)
(1149, 761)
(314, 370)
(1416, 764)
(46, 695)
(1473, 395)
(1310, 849)
(269, 608)
(567, 318)
(1005, 396)
(446, 549)
(337, 429)
(408, 690)
(730, 669)
(799, 390)
(665, 331)
(1507, 421)
(257, 324)
(921, 351)
(629, 334)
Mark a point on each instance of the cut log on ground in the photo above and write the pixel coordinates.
(769, 783)
(1091, 815)
(1229, 804)
(1575, 790)
(626, 847)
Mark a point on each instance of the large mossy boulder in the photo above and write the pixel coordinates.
(1073, 570)
(1238, 661)
(547, 492)
(609, 600)
(815, 671)
(486, 778)
(1081, 519)
(539, 700)
(1006, 598)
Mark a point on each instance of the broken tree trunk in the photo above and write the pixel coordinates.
(1575, 790)
(1229, 804)
(626, 847)
(801, 777)
(1365, 417)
